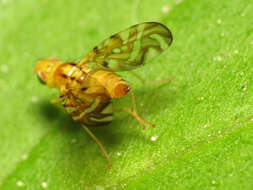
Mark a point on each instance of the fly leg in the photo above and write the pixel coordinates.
(152, 81)
(99, 144)
(134, 113)
(56, 100)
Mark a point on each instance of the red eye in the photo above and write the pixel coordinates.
(42, 76)
(42, 81)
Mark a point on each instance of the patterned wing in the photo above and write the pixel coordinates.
(130, 48)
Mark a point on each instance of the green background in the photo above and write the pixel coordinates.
(204, 116)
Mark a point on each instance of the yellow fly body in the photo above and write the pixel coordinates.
(87, 87)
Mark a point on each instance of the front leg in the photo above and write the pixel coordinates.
(56, 100)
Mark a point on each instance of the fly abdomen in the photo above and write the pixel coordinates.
(99, 112)
(113, 83)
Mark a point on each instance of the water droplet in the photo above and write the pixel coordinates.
(166, 8)
(219, 58)
(24, 156)
(154, 138)
(200, 98)
(20, 183)
(244, 88)
(222, 34)
(118, 154)
(34, 99)
(44, 184)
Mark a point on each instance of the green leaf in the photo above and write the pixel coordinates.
(204, 117)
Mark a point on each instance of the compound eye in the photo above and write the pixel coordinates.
(39, 76)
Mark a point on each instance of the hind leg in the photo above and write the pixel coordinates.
(134, 113)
